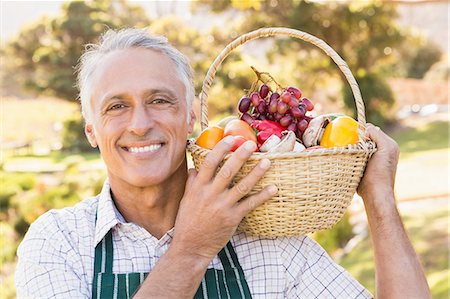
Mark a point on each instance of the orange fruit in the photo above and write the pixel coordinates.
(209, 137)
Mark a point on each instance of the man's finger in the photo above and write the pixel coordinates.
(244, 186)
(231, 167)
(211, 163)
(192, 174)
(252, 202)
(381, 139)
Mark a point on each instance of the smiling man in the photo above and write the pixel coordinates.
(159, 230)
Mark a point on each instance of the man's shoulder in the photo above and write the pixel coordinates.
(286, 248)
(70, 217)
(67, 224)
(282, 243)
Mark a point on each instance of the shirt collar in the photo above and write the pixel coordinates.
(107, 214)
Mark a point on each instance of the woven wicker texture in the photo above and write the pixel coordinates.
(315, 187)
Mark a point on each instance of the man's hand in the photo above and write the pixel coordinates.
(379, 176)
(210, 210)
(209, 214)
(398, 272)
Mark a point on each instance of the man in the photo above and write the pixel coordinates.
(158, 230)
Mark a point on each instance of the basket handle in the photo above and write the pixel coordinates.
(266, 32)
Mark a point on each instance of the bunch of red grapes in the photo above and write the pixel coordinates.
(288, 108)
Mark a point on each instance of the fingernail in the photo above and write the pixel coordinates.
(272, 189)
(229, 140)
(249, 145)
(265, 163)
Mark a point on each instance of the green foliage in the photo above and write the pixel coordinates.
(365, 34)
(423, 59)
(8, 248)
(418, 55)
(46, 52)
(13, 184)
(337, 237)
(33, 204)
(73, 137)
(377, 97)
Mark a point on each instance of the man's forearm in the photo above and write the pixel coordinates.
(397, 267)
(176, 275)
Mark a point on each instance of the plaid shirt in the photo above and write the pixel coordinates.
(57, 254)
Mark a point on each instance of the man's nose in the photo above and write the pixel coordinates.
(141, 121)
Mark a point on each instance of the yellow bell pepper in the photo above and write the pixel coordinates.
(340, 132)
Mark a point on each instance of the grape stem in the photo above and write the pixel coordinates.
(259, 76)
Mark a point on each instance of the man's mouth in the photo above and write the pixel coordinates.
(143, 149)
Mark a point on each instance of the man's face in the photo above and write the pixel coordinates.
(139, 116)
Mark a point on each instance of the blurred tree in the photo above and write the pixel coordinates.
(439, 71)
(425, 56)
(365, 35)
(46, 53)
(378, 98)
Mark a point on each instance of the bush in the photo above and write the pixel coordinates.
(8, 251)
(6, 193)
(337, 237)
(13, 184)
(73, 137)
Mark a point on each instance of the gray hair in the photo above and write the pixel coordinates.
(123, 39)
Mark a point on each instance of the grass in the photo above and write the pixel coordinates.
(424, 160)
(428, 230)
(431, 136)
(423, 174)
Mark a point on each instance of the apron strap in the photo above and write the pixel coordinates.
(234, 275)
(103, 259)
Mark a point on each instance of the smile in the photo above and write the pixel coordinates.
(144, 149)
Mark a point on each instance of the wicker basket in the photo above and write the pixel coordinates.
(315, 187)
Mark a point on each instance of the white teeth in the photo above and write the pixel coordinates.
(144, 149)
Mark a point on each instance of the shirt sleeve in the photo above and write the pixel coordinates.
(47, 263)
(311, 273)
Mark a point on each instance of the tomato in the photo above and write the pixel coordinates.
(238, 141)
(209, 137)
(341, 132)
(239, 127)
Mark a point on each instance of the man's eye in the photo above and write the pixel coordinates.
(116, 106)
(160, 101)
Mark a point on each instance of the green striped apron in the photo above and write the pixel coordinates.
(227, 283)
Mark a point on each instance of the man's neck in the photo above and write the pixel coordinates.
(154, 207)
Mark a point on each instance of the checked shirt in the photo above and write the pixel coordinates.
(56, 257)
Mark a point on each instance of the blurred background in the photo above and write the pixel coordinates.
(397, 50)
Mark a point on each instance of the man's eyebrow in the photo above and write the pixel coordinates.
(108, 98)
(152, 91)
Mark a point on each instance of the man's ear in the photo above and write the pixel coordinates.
(192, 120)
(89, 131)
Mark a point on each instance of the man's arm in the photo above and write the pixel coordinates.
(398, 272)
(209, 214)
